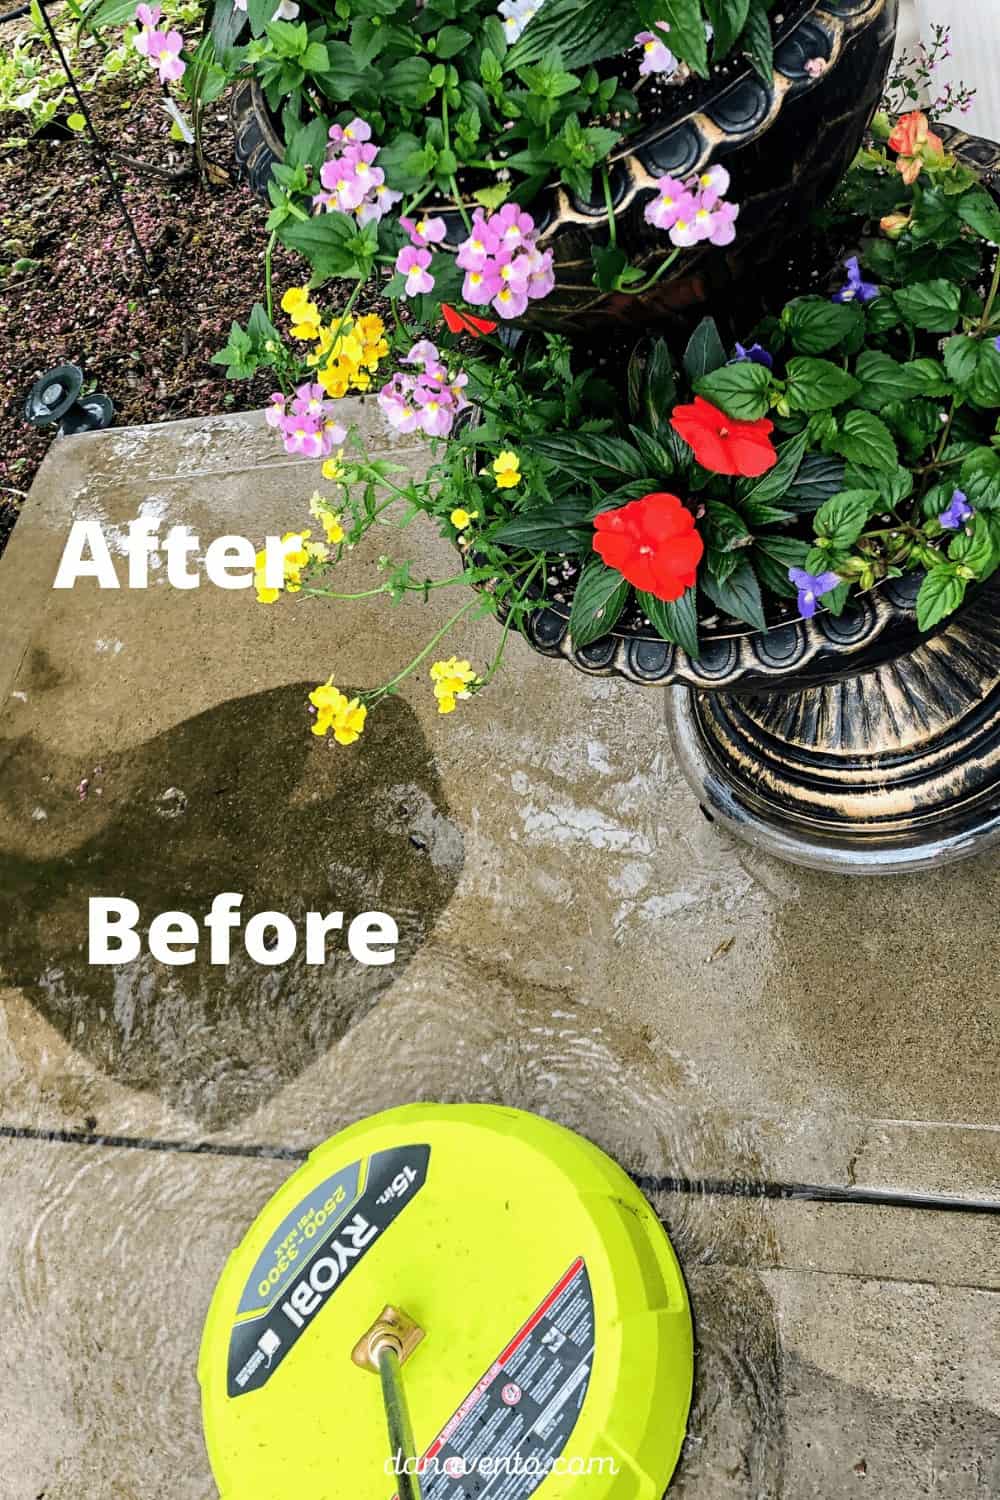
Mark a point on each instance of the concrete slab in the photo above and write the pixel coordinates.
(575, 940)
(809, 1379)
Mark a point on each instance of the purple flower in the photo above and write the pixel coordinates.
(812, 587)
(412, 263)
(756, 354)
(657, 56)
(424, 232)
(958, 512)
(856, 289)
(672, 202)
(996, 343)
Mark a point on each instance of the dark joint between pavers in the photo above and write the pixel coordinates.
(709, 1187)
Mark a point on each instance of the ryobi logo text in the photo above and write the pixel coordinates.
(326, 1271)
(258, 1343)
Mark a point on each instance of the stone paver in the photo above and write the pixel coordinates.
(575, 940)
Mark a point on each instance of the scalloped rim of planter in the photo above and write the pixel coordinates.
(827, 643)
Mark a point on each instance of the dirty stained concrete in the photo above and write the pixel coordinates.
(575, 939)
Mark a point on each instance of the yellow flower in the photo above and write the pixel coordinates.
(335, 711)
(507, 470)
(294, 561)
(461, 518)
(333, 468)
(370, 328)
(330, 522)
(453, 679)
(305, 315)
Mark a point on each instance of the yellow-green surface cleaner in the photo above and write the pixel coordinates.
(557, 1354)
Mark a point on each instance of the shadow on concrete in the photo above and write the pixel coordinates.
(242, 798)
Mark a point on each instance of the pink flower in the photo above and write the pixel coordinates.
(657, 56)
(541, 276)
(422, 353)
(275, 413)
(147, 17)
(303, 435)
(424, 232)
(165, 49)
(436, 413)
(714, 184)
(377, 204)
(240, 5)
(723, 223)
(512, 299)
(673, 201)
(511, 226)
(356, 132)
(412, 263)
(816, 67)
(396, 403)
(480, 287)
(474, 252)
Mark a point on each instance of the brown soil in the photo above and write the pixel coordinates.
(146, 344)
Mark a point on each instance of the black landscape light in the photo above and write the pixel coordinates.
(55, 397)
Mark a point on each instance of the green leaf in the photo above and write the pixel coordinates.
(742, 390)
(777, 482)
(598, 601)
(932, 305)
(883, 315)
(660, 391)
(818, 478)
(974, 547)
(728, 18)
(865, 439)
(589, 456)
(818, 384)
(451, 40)
(926, 377)
(815, 324)
(985, 388)
(725, 527)
(980, 479)
(738, 596)
(675, 621)
(759, 42)
(884, 379)
(772, 557)
(841, 520)
(76, 121)
(687, 39)
(584, 31)
(705, 352)
(408, 83)
(961, 359)
(940, 595)
(980, 211)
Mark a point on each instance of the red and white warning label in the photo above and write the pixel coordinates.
(513, 1427)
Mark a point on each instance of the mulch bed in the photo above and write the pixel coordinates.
(88, 302)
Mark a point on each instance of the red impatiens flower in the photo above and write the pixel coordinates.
(463, 322)
(653, 543)
(721, 443)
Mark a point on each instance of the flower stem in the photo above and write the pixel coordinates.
(635, 291)
(267, 275)
(609, 204)
(449, 624)
(992, 297)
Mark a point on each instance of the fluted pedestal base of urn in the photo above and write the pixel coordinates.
(893, 771)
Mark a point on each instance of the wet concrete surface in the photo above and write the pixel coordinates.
(575, 939)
